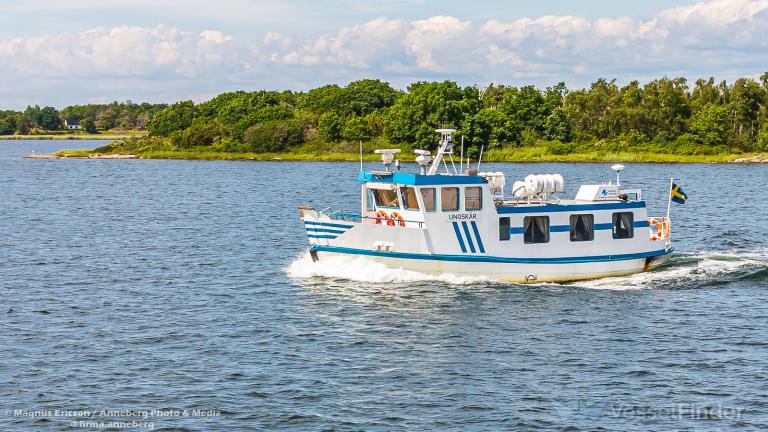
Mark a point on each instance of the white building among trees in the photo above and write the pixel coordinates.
(72, 124)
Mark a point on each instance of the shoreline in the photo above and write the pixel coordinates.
(74, 137)
(490, 157)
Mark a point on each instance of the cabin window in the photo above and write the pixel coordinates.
(428, 196)
(504, 228)
(536, 229)
(623, 225)
(386, 198)
(449, 198)
(582, 227)
(369, 201)
(409, 198)
(473, 198)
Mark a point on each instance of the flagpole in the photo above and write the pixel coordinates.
(669, 202)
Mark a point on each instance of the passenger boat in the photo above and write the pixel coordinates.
(461, 222)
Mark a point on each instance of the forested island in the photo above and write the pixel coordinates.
(666, 119)
(77, 120)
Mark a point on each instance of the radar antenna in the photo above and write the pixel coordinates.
(387, 156)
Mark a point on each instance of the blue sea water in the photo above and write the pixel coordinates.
(144, 290)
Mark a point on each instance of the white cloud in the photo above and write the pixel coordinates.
(709, 38)
(120, 51)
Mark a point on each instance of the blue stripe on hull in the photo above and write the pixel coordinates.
(492, 259)
(458, 237)
(477, 236)
(323, 230)
(567, 228)
(570, 207)
(336, 225)
(469, 237)
(321, 236)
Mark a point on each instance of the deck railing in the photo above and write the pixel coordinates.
(356, 218)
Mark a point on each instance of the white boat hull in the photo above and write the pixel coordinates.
(515, 272)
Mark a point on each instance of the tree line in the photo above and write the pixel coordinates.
(673, 116)
(122, 115)
(668, 115)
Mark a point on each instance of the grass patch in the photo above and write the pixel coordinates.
(113, 134)
(74, 153)
(157, 148)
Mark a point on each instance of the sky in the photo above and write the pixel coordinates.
(58, 53)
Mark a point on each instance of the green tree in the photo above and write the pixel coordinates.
(275, 136)
(556, 127)
(265, 114)
(590, 112)
(201, 133)
(88, 125)
(330, 126)
(489, 127)
(706, 92)
(324, 99)
(107, 119)
(710, 125)
(357, 128)
(526, 107)
(428, 106)
(23, 124)
(746, 97)
(176, 117)
(8, 122)
(666, 104)
(49, 119)
(366, 96)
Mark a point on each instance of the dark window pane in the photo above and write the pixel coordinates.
(536, 229)
(409, 198)
(504, 228)
(582, 227)
(623, 225)
(428, 196)
(449, 198)
(473, 198)
(386, 198)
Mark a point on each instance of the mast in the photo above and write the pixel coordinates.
(445, 148)
(669, 201)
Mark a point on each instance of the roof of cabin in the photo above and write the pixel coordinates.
(570, 206)
(417, 179)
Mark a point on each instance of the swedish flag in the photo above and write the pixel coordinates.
(678, 195)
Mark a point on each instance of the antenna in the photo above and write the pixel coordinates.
(482, 147)
(618, 168)
(461, 162)
(387, 156)
(361, 155)
(423, 160)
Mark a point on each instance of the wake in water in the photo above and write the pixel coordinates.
(684, 270)
(361, 269)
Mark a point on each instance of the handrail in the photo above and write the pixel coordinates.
(356, 216)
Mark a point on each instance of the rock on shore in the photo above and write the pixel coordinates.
(753, 159)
